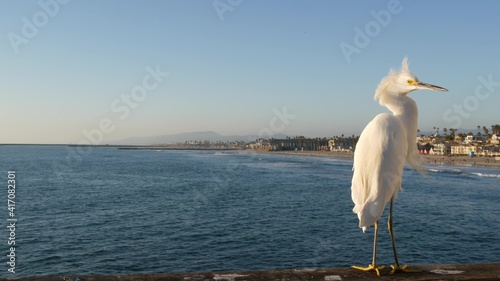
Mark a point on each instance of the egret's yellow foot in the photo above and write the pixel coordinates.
(370, 267)
(404, 268)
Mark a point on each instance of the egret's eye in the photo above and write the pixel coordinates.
(411, 82)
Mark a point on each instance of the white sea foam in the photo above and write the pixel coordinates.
(450, 171)
(487, 175)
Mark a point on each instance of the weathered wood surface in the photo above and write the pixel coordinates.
(490, 271)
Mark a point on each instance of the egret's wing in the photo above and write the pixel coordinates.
(378, 167)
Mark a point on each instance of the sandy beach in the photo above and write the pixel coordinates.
(427, 159)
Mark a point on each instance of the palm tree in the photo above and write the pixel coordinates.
(485, 130)
(452, 132)
(486, 133)
(495, 129)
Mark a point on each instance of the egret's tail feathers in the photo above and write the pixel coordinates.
(368, 214)
(416, 163)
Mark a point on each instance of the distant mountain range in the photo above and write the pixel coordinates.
(183, 137)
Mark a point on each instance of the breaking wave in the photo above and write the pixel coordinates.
(486, 175)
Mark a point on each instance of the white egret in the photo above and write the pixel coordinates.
(384, 146)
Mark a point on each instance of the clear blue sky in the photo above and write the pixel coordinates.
(68, 68)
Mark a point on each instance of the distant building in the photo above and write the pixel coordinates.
(424, 148)
(464, 149)
(260, 145)
(341, 144)
(473, 139)
(441, 149)
(490, 151)
(458, 139)
(495, 139)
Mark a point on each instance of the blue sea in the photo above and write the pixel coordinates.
(99, 210)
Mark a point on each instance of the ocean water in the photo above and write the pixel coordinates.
(106, 211)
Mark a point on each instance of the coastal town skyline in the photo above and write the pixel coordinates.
(90, 72)
(456, 143)
(482, 133)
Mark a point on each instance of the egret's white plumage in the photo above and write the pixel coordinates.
(384, 146)
(378, 167)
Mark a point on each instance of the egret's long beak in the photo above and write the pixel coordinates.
(425, 86)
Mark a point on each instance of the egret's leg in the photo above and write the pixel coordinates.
(396, 267)
(373, 265)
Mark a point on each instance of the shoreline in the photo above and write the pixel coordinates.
(426, 159)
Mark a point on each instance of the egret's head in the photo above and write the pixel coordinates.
(403, 82)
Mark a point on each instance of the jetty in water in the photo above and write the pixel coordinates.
(489, 272)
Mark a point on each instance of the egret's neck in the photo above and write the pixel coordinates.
(406, 110)
(399, 104)
(409, 115)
